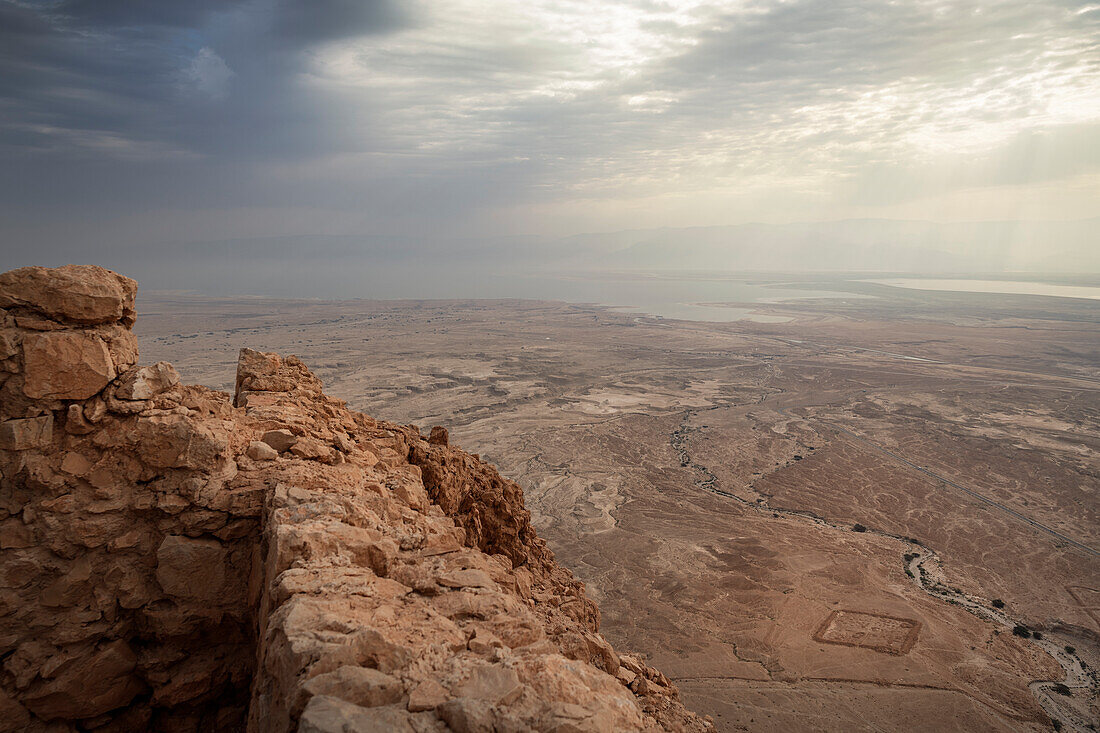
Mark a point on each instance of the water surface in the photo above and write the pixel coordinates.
(1011, 287)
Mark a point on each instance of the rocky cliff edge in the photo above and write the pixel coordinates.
(180, 559)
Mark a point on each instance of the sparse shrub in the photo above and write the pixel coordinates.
(1057, 724)
(858, 528)
(1037, 634)
(998, 603)
(1070, 649)
(1022, 631)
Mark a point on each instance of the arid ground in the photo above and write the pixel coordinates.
(828, 523)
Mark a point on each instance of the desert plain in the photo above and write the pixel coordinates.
(841, 514)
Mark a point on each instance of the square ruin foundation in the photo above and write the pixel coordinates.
(876, 631)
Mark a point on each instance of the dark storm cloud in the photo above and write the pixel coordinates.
(147, 78)
(325, 20)
(107, 103)
(139, 13)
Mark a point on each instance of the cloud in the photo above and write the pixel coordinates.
(208, 73)
(428, 116)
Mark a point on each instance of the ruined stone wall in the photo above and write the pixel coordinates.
(172, 558)
(124, 555)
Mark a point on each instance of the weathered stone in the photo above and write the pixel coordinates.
(471, 578)
(10, 340)
(176, 441)
(281, 440)
(81, 294)
(260, 451)
(359, 685)
(87, 685)
(121, 344)
(439, 436)
(69, 588)
(495, 684)
(326, 714)
(26, 434)
(343, 443)
(465, 715)
(76, 464)
(412, 493)
(15, 535)
(428, 695)
(143, 383)
(312, 450)
(191, 568)
(75, 423)
(66, 365)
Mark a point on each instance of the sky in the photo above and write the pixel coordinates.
(156, 124)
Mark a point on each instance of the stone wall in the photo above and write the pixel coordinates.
(127, 532)
(173, 558)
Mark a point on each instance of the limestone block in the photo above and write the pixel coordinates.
(66, 365)
(326, 714)
(27, 433)
(281, 440)
(143, 383)
(359, 685)
(83, 294)
(260, 451)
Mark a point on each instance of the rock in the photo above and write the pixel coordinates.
(359, 685)
(26, 434)
(75, 464)
(143, 383)
(494, 684)
(259, 451)
(75, 422)
(464, 715)
(428, 695)
(176, 441)
(343, 443)
(412, 493)
(66, 365)
(471, 578)
(281, 440)
(484, 642)
(310, 449)
(191, 568)
(80, 294)
(326, 714)
(438, 436)
(87, 685)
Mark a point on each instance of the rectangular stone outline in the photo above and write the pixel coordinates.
(906, 645)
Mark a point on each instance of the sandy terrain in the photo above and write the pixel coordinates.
(706, 480)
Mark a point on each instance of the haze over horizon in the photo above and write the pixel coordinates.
(143, 133)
